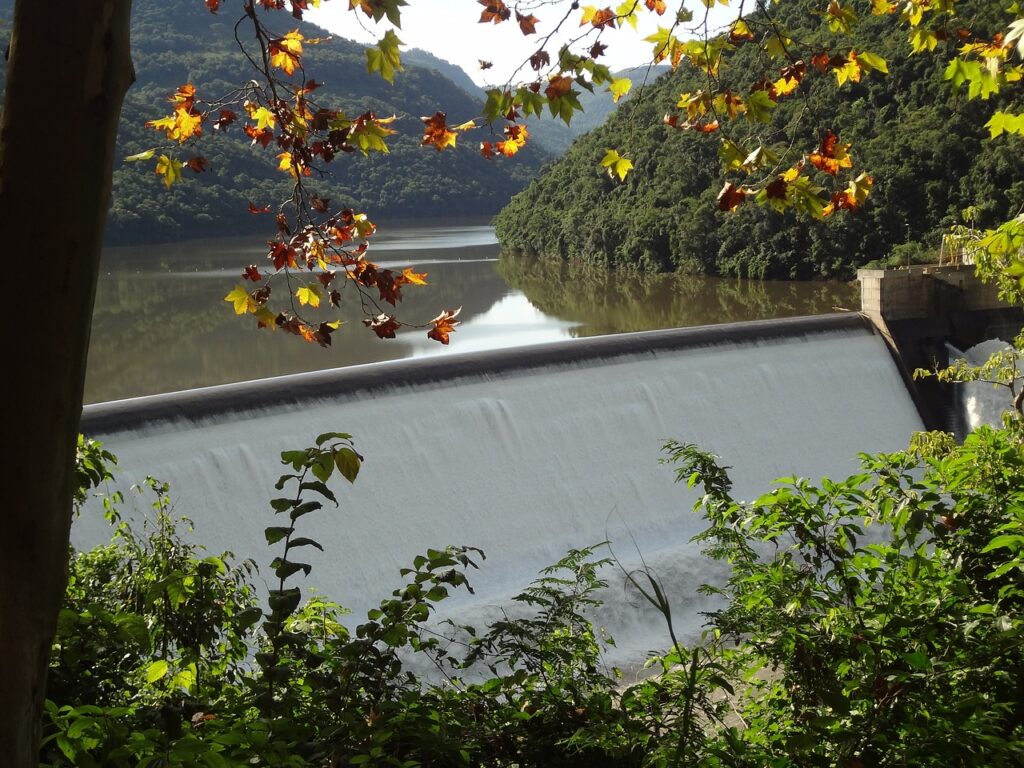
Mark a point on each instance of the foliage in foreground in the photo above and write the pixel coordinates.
(872, 621)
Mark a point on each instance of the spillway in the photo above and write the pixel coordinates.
(524, 452)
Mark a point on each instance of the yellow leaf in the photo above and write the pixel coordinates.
(414, 278)
(309, 294)
(241, 300)
(169, 168)
(616, 164)
(619, 88)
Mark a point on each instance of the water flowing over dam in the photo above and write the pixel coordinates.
(523, 452)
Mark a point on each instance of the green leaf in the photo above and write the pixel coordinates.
(348, 463)
(759, 106)
(275, 533)
(148, 154)
(385, 57)
(157, 670)
(323, 467)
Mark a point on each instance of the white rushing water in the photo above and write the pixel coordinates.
(529, 463)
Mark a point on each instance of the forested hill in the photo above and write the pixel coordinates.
(178, 41)
(930, 158)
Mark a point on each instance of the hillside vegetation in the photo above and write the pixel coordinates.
(929, 155)
(176, 41)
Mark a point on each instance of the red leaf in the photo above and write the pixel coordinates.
(494, 11)
(252, 273)
(383, 325)
(444, 324)
(254, 209)
(730, 197)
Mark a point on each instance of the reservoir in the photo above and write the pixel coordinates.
(161, 324)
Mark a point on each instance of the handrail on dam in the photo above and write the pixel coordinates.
(294, 389)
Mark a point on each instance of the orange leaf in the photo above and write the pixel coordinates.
(444, 324)
(831, 156)
(494, 11)
(528, 24)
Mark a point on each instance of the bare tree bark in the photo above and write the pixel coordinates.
(69, 66)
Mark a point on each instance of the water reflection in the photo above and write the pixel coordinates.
(597, 302)
(161, 324)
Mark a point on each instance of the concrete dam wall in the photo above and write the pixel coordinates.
(525, 453)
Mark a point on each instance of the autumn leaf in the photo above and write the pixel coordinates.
(169, 168)
(309, 294)
(241, 300)
(558, 87)
(495, 11)
(527, 24)
(286, 51)
(831, 155)
(252, 272)
(382, 325)
(261, 209)
(224, 119)
(730, 197)
(597, 17)
(444, 324)
(413, 278)
(616, 164)
(619, 88)
(657, 6)
(436, 133)
(198, 163)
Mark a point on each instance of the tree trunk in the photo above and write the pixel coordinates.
(68, 69)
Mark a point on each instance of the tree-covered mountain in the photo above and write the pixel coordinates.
(177, 41)
(929, 155)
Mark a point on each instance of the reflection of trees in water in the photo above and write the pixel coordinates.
(616, 302)
(159, 332)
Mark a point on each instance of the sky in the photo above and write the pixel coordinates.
(450, 30)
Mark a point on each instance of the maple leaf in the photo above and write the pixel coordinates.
(558, 87)
(852, 197)
(539, 60)
(286, 51)
(598, 17)
(241, 300)
(740, 32)
(444, 324)
(198, 163)
(319, 204)
(597, 49)
(212, 5)
(616, 164)
(169, 168)
(848, 69)
(436, 132)
(383, 325)
(831, 156)
(487, 149)
(658, 6)
(730, 197)
(252, 272)
(413, 278)
(309, 294)
(495, 11)
(281, 254)
(527, 24)
(261, 209)
(226, 118)
(261, 136)
(485, 64)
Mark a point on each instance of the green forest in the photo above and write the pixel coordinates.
(173, 44)
(928, 153)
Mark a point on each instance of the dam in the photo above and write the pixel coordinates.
(523, 452)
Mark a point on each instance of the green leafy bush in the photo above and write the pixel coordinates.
(872, 621)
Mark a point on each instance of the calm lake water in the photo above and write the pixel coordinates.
(161, 324)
